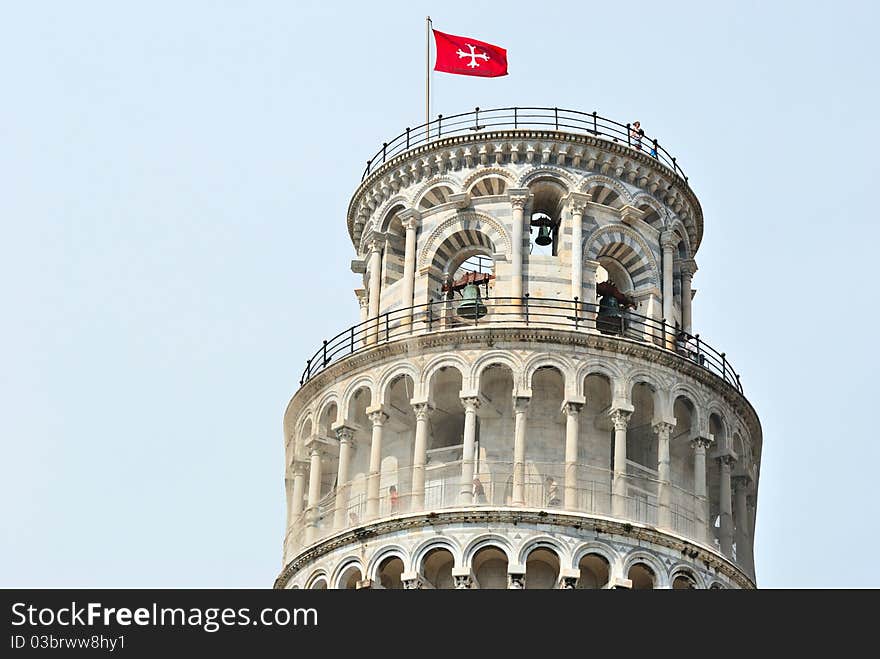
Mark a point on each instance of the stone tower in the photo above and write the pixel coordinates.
(524, 402)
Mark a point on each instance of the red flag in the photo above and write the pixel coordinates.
(469, 57)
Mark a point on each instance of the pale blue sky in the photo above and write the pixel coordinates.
(175, 178)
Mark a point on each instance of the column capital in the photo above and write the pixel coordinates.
(409, 217)
(518, 197)
(521, 403)
(741, 480)
(344, 433)
(663, 427)
(572, 407)
(702, 442)
(376, 243)
(463, 578)
(620, 417)
(363, 297)
(668, 240)
(299, 467)
(577, 202)
(726, 459)
(376, 414)
(422, 410)
(516, 577)
(688, 267)
(471, 403)
(629, 214)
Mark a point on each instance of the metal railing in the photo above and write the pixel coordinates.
(557, 119)
(544, 486)
(443, 315)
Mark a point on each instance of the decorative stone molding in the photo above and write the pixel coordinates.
(496, 233)
(620, 418)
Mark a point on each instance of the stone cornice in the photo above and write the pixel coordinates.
(482, 516)
(636, 167)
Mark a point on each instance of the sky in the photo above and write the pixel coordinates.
(175, 178)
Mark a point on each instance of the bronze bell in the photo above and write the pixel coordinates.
(544, 237)
(471, 306)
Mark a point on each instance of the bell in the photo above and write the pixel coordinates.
(471, 305)
(609, 306)
(544, 237)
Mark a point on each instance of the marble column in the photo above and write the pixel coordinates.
(664, 488)
(577, 205)
(572, 416)
(520, 407)
(620, 418)
(420, 448)
(724, 505)
(688, 269)
(345, 435)
(471, 404)
(701, 507)
(668, 242)
(375, 268)
(518, 199)
(377, 417)
(409, 222)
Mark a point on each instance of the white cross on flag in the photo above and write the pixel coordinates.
(469, 57)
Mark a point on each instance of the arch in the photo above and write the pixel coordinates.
(717, 585)
(433, 182)
(423, 549)
(547, 172)
(547, 360)
(351, 389)
(435, 196)
(680, 230)
(596, 180)
(486, 172)
(315, 578)
(486, 540)
(440, 362)
(657, 385)
(641, 556)
(684, 390)
(340, 573)
(473, 224)
(492, 358)
(606, 551)
(598, 572)
(629, 249)
(391, 374)
(387, 551)
(658, 217)
(542, 568)
(689, 572)
(328, 399)
(389, 209)
(542, 542)
(490, 185)
(613, 374)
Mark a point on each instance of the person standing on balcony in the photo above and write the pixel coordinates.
(635, 134)
(552, 492)
(479, 492)
(395, 499)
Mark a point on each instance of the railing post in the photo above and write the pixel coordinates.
(476, 118)
(430, 314)
(656, 149)
(324, 353)
(387, 327)
(595, 129)
(407, 138)
(308, 372)
(384, 146)
(628, 136)
(556, 117)
(439, 124)
(724, 366)
(699, 352)
(515, 119)
(576, 312)
(526, 307)
(352, 338)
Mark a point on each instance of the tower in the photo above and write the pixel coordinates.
(524, 402)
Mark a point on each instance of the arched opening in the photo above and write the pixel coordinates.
(684, 581)
(435, 197)
(713, 477)
(394, 253)
(445, 440)
(545, 445)
(542, 569)
(349, 578)
(641, 457)
(462, 271)
(359, 464)
(395, 485)
(642, 577)
(437, 568)
(545, 218)
(606, 195)
(681, 456)
(319, 584)
(494, 452)
(490, 568)
(388, 574)
(595, 571)
(489, 186)
(595, 447)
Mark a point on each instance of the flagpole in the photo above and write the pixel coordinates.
(427, 78)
